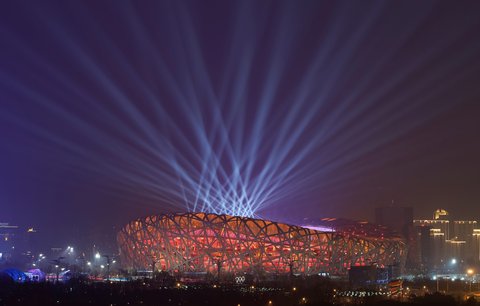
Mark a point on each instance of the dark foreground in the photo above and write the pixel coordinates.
(140, 293)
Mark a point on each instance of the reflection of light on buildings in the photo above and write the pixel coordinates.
(476, 244)
(442, 225)
(441, 239)
(319, 228)
(438, 245)
(463, 230)
(455, 248)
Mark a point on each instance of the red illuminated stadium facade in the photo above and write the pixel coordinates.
(200, 242)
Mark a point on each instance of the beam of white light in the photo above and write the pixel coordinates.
(214, 154)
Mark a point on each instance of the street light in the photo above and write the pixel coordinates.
(470, 273)
(109, 261)
(436, 278)
(97, 256)
(57, 262)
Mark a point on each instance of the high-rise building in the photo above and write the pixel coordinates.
(8, 235)
(463, 230)
(443, 226)
(475, 247)
(399, 219)
(447, 245)
(456, 250)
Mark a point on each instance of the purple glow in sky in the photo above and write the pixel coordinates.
(115, 109)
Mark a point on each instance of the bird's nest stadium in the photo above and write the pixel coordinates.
(202, 242)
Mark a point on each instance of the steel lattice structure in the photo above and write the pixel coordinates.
(199, 242)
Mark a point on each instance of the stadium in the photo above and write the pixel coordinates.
(201, 242)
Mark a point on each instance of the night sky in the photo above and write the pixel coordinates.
(111, 110)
